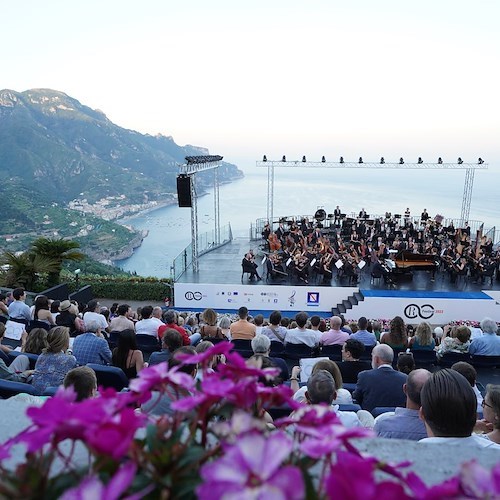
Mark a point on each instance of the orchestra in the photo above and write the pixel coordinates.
(390, 245)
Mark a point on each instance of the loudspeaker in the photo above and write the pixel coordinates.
(184, 191)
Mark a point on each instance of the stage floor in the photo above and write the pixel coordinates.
(223, 266)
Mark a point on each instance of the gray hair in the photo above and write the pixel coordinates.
(92, 325)
(321, 388)
(489, 326)
(384, 352)
(261, 344)
(224, 322)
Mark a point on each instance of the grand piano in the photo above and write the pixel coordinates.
(406, 262)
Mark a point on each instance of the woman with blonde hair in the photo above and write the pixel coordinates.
(209, 329)
(423, 340)
(53, 364)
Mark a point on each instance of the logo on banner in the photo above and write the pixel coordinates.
(313, 298)
(193, 295)
(413, 311)
(291, 299)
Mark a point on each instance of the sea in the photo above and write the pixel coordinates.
(303, 191)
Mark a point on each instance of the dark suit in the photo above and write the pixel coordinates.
(351, 369)
(380, 387)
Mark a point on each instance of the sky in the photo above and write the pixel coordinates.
(320, 77)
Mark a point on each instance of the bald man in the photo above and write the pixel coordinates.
(381, 386)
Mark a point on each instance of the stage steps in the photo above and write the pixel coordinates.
(349, 303)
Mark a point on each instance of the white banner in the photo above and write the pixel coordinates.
(260, 297)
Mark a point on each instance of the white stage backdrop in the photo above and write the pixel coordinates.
(260, 297)
(434, 307)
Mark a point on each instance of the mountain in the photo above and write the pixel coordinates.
(52, 142)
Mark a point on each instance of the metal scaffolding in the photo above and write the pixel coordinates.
(382, 165)
(193, 165)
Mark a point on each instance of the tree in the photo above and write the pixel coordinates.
(25, 269)
(57, 250)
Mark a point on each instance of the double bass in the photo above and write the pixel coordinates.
(274, 243)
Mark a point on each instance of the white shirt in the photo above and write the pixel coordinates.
(303, 336)
(101, 320)
(148, 327)
(470, 441)
(344, 397)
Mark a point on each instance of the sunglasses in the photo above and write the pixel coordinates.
(484, 403)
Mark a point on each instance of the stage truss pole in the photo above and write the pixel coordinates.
(194, 225)
(469, 168)
(216, 207)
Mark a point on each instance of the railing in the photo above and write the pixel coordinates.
(206, 243)
(256, 229)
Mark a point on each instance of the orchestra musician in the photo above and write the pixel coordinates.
(336, 216)
(249, 265)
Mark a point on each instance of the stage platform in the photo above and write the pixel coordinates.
(223, 266)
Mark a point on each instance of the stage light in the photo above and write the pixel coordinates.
(341, 159)
(284, 158)
(360, 160)
(440, 161)
(323, 159)
(460, 161)
(480, 161)
(265, 158)
(304, 159)
(382, 161)
(401, 161)
(420, 160)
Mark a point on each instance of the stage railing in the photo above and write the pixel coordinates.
(206, 243)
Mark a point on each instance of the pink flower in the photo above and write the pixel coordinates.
(448, 489)
(478, 482)
(252, 468)
(155, 376)
(92, 488)
(203, 357)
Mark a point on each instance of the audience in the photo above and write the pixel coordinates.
(121, 321)
(126, 355)
(92, 313)
(405, 363)
(362, 334)
(262, 345)
(36, 341)
(91, 346)
(302, 335)
(242, 329)
(18, 310)
(209, 328)
(170, 318)
(335, 335)
(491, 413)
(170, 342)
(274, 331)
(458, 341)
(351, 365)
(489, 343)
(148, 325)
(422, 340)
(83, 381)
(469, 372)
(397, 336)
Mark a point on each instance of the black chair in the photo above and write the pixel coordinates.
(479, 361)
(5, 358)
(349, 387)
(9, 388)
(32, 357)
(351, 407)
(298, 351)
(109, 376)
(279, 411)
(35, 323)
(367, 353)
(334, 352)
(243, 347)
(424, 358)
(113, 339)
(277, 350)
(147, 344)
(216, 341)
(50, 391)
(249, 268)
(450, 358)
(382, 409)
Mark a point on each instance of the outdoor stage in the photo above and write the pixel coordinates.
(218, 284)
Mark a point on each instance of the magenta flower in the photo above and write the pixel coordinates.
(352, 477)
(155, 376)
(203, 357)
(478, 482)
(92, 488)
(448, 489)
(252, 469)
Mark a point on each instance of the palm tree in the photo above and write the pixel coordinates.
(57, 250)
(24, 269)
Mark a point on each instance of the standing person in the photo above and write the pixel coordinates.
(242, 329)
(18, 310)
(53, 364)
(127, 356)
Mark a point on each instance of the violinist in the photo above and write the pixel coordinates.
(300, 267)
(266, 233)
(275, 267)
(249, 266)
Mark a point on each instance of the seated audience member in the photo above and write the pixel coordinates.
(36, 341)
(405, 363)
(377, 329)
(170, 342)
(397, 336)
(343, 396)
(381, 386)
(351, 365)
(335, 335)
(262, 345)
(321, 391)
(127, 356)
(274, 331)
(285, 322)
(405, 423)
(92, 313)
(362, 334)
(489, 343)
(491, 413)
(422, 340)
(207, 368)
(258, 321)
(6, 348)
(121, 321)
(458, 341)
(148, 325)
(470, 373)
(42, 311)
(91, 346)
(209, 328)
(4, 308)
(302, 335)
(18, 370)
(242, 329)
(449, 411)
(158, 314)
(83, 381)
(68, 316)
(160, 404)
(170, 318)
(438, 334)
(53, 364)
(225, 326)
(314, 322)
(18, 310)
